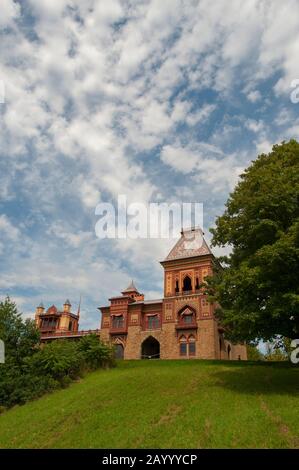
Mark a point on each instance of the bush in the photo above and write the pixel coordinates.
(31, 369)
(57, 360)
(96, 353)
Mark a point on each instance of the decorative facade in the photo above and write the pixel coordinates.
(180, 325)
(56, 324)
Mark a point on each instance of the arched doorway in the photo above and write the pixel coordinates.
(150, 348)
(119, 351)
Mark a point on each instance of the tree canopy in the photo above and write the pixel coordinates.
(257, 283)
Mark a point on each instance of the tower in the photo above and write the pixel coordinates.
(39, 311)
(185, 305)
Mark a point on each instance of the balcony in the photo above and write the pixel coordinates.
(67, 334)
(118, 327)
(188, 292)
(186, 325)
(48, 329)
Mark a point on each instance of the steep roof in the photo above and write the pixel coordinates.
(131, 288)
(191, 243)
(52, 310)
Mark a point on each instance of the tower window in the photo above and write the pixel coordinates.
(188, 319)
(187, 284)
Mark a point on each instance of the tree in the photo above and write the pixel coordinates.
(21, 337)
(274, 353)
(257, 284)
(253, 354)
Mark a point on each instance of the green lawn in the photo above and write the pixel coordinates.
(164, 404)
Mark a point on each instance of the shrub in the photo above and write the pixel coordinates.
(31, 369)
(96, 353)
(57, 360)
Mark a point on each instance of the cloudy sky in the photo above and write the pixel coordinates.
(159, 100)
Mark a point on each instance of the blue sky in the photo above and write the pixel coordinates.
(161, 101)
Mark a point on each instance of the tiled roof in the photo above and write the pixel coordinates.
(191, 243)
(131, 288)
(52, 309)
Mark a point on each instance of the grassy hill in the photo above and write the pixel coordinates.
(156, 404)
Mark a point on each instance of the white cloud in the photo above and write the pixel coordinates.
(206, 163)
(8, 229)
(254, 96)
(10, 10)
(97, 91)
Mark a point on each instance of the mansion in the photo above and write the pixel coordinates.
(180, 325)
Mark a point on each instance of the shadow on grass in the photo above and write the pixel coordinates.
(274, 378)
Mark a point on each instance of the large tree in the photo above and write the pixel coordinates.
(257, 284)
(21, 337)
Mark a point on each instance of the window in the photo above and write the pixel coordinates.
(70, 326)
(192, 345)
(187, 284)
(192, 349)
(177, 286)
(183, 349)
(118, 322)
(188, 318)
(153, 322)
(187, 346)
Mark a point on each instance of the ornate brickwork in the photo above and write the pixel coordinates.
(182, 324)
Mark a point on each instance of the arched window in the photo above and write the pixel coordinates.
(187, 346)
(70, 326)
(187, 316)
(191, 345)
(228, 351)
(177, 286)
(187, 284)
(183, 345)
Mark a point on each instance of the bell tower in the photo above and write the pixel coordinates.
(185, 304)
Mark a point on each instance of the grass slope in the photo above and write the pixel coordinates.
(170, 404)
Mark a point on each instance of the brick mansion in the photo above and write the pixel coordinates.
(180, 325)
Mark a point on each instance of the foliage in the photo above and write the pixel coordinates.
(275, 353)
(31, 369)
(257, 285)
(253, 354)
(20, 337)
(57, 360)
(95, 353)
